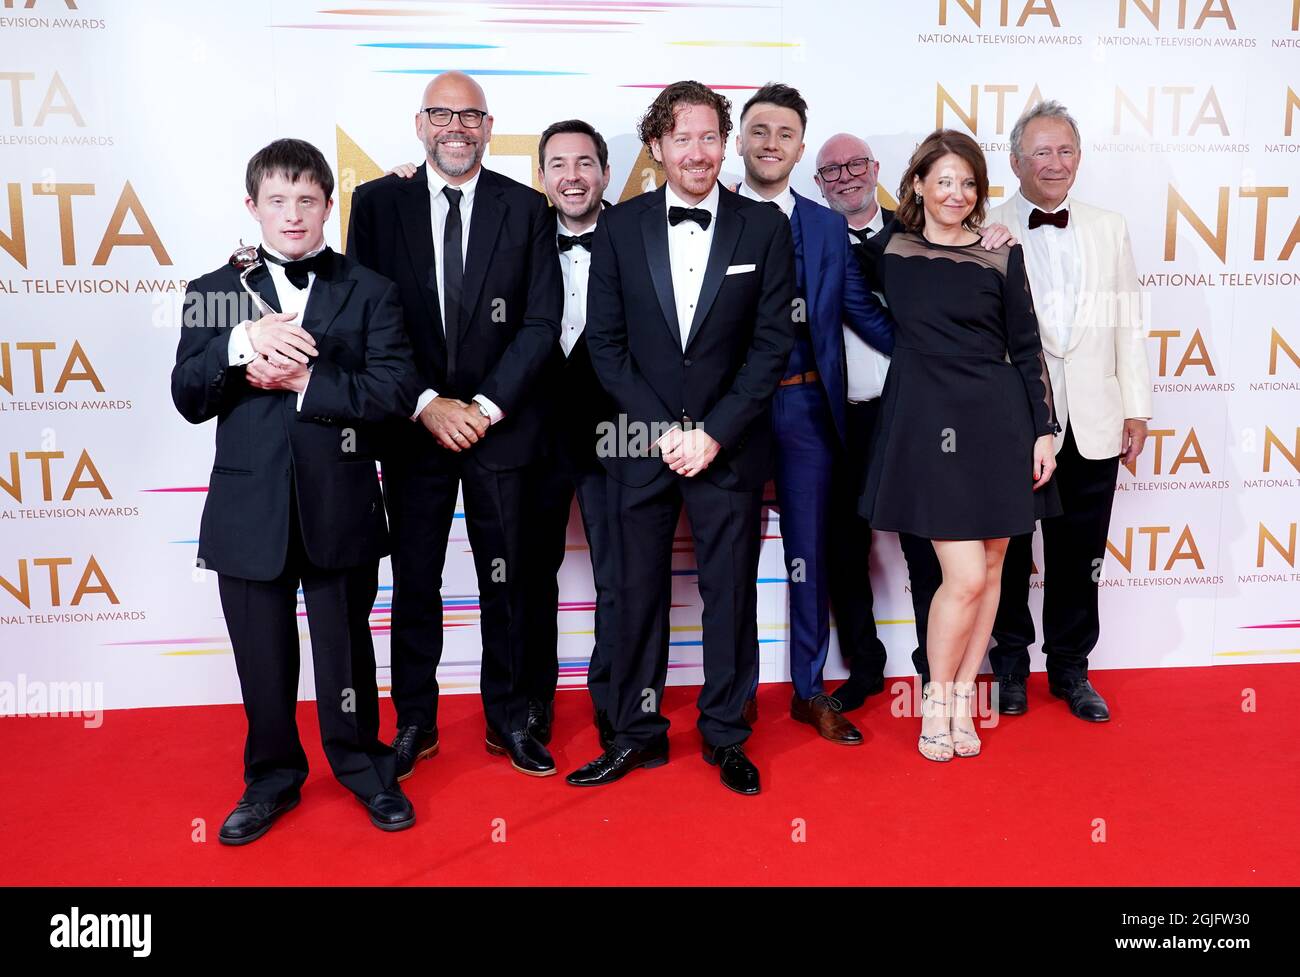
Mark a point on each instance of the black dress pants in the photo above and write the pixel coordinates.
(262, 619)
(420, 490)
(725, 525)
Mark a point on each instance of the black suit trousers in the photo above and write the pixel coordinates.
(725, 526)
(420, 489)
(552, 485)
(1074, 544)
(262, 619)
(849, 545)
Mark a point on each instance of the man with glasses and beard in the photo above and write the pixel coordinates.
(473, 256)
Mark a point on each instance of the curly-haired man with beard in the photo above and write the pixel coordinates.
(689, 326)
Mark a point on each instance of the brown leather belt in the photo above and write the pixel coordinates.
(810, 377)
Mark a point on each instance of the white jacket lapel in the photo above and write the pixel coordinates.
(1008, 213)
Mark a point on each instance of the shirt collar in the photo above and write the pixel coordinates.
(709, 203)
(276, 254)
(436, 183)
(561, 229)
(784, 199)
(1024, 206)
(875, 225)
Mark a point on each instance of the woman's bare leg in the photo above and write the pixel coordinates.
(965, 740)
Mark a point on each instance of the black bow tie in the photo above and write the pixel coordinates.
(568, 241)
(1038, 218)
(861, 234)
(698, 214)
(296, 271)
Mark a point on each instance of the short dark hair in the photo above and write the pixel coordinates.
(934, 147)
(290, 158)
(661, 116)
(787, 97)
(577, 127)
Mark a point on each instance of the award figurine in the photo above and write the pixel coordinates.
(245, 259)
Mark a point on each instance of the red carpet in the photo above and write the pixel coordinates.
(1191, 789)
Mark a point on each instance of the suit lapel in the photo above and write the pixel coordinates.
(327, 298)
(725, 238)
(654, 234)
(485, 219)
(417, 230)
(1086, 244)
(810, 248)
(261, 281)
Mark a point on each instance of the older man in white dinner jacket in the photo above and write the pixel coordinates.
(1086, 294)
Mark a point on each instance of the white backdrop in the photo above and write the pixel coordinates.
(126, 126)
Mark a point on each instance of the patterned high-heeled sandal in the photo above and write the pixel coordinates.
(935, 746)
(965, 742)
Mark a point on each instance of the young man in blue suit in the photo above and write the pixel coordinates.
(808, 412)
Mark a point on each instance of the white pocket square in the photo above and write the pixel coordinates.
(739, 269)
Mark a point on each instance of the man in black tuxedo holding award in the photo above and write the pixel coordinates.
(473, 255)
(297, 389)
(689, 326)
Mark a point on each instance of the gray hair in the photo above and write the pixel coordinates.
(1051, 109)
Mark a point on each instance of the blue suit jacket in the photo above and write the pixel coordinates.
(837, 296)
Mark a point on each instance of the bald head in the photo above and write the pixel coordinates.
(840, 147)
(852, 194)
(454, 89)
(455, 150)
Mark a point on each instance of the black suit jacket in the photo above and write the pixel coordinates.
(869, 251)
(513, 300)
(576, 406)
(361, 376)
(737, 347)
(575, 402)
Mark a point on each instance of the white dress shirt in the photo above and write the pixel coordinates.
(439, 208)
(688, 255)
(864, 365)
(784, 199)
(291, 299)
(1052, 255)
(576, 265)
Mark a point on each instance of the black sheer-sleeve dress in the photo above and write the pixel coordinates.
(966, 396)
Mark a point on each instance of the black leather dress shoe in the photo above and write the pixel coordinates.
(390, 810)
(1012, 698)
(1084, 701)
(252, 819)
(411, 744)
(541, 715)
(853, 693)
(735, 769)
(616, 763)
(526, 754)
(604, 730)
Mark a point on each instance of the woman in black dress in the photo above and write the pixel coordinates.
(964, 452)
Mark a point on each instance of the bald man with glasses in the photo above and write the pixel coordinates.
(473, 256)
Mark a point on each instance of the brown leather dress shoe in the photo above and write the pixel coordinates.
(822, 712)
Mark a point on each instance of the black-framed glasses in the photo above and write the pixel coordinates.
(469, 118)
(856, 167)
